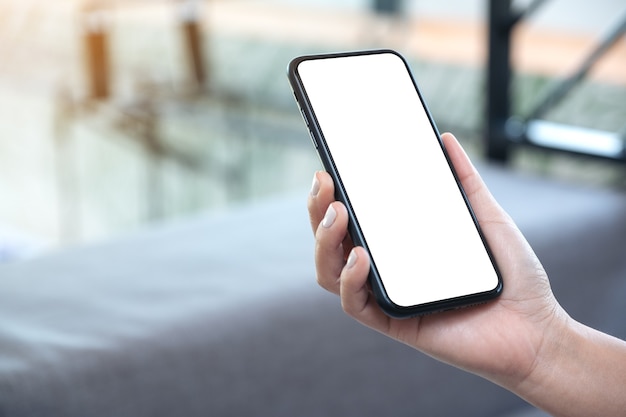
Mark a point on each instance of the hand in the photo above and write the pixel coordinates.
(501, 340)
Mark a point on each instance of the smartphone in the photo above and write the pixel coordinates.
(407, 208)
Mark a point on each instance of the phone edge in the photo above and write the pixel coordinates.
(387, 305)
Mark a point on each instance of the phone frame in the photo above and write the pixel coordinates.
(317, 137)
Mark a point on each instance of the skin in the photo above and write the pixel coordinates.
(523, 341)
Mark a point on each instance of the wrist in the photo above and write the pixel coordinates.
(578, 371)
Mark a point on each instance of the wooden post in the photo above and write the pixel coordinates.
(96, 44)
(192, 38)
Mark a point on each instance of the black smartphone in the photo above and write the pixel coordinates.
(376, 138)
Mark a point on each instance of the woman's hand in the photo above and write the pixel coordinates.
(500, 340)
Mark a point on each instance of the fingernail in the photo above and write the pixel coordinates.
(329, 217)
(315, 187)
(352, 258)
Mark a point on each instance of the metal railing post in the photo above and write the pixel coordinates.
(498, 80)
(391, 7)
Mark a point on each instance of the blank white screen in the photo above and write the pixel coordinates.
(415, 222)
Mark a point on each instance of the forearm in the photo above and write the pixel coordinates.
(581, 372)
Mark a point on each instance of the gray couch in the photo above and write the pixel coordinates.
(220, 315)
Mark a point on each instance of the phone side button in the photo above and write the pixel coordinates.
(306, 121)
(312, 139)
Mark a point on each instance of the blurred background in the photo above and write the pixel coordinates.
(118, 114)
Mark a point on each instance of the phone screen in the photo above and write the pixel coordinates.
(417, 227)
